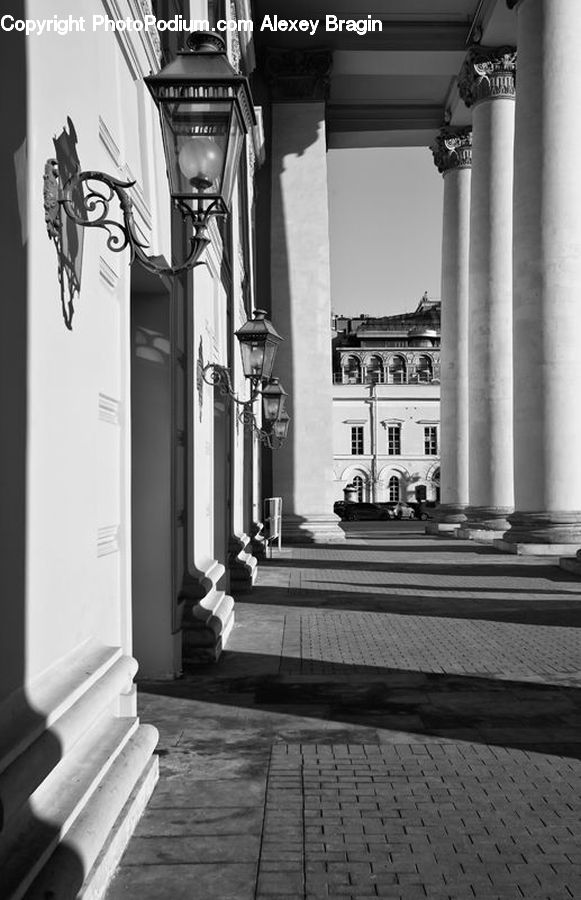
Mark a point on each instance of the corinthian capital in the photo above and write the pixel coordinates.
(487, 72)
(452, 149)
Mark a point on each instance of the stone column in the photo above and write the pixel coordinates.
(301, 292)
(547, 281)
(452, 151)
(487, 84)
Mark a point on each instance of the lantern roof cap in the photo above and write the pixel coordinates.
(259, 327)
(274, 386)
(205, 64)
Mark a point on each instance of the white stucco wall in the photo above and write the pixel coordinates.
(78, 509)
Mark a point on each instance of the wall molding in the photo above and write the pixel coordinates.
(130, 42)
(109, 142)
(107, 540)
(108, 274)
(109, 409)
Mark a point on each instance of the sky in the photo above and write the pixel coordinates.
(385, 208)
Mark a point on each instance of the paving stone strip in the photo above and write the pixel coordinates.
(420, 820)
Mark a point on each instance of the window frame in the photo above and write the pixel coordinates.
(430, 440)
(357, 440)
(394, 482)
(396, 429)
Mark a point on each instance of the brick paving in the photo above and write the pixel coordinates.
(420, 820)
(396, 718)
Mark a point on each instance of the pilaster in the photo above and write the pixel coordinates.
(301, 291)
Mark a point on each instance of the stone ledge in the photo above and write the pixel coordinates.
(521, 549)
(480, 535)
(311, 529)
(442, 527)
(571, 564)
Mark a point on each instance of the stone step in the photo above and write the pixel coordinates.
(71, 717)
(99, 835)
(41, 824)
(28, 712)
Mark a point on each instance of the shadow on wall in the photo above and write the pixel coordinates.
(29, 751)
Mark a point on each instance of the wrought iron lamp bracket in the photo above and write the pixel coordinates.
(219, 376)
(90, 209)
(264, 435)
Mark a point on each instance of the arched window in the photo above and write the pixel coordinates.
(393, 487)
(375, 370)
(424, 369)
(436, 483)
(360, 486)
(352, 370)
(397, 373)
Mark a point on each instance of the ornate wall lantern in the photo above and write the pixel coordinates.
(273, 400)
(205, 109)
(280, 427)
(258, 345)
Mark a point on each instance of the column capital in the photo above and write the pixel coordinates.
(487, 72)
(452, 149)
(298, 76)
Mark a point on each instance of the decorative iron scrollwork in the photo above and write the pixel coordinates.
(97, 190)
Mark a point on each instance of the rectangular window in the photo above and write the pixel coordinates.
(431, 440)
(357, 440)
(394, 440)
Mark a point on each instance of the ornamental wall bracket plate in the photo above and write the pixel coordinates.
(67, 236)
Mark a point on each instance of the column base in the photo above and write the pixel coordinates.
(488, 518)
(312, 529)
(207, 620)
(75, 776)
(545, 529)
(451, 513)
(242, 564)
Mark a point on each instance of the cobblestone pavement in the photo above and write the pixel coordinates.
(398, 717)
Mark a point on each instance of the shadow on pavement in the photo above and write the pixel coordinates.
(391, 702)
(460, 570)
(559, 611)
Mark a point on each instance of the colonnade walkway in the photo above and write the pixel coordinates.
(398, 717)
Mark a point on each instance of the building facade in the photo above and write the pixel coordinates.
(130, 487)
(386, 405)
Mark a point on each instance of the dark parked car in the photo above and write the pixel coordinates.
(354, 511)
(419, 511)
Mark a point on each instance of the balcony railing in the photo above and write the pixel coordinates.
(412, 378)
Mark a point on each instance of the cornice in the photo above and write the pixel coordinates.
(298, 76)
